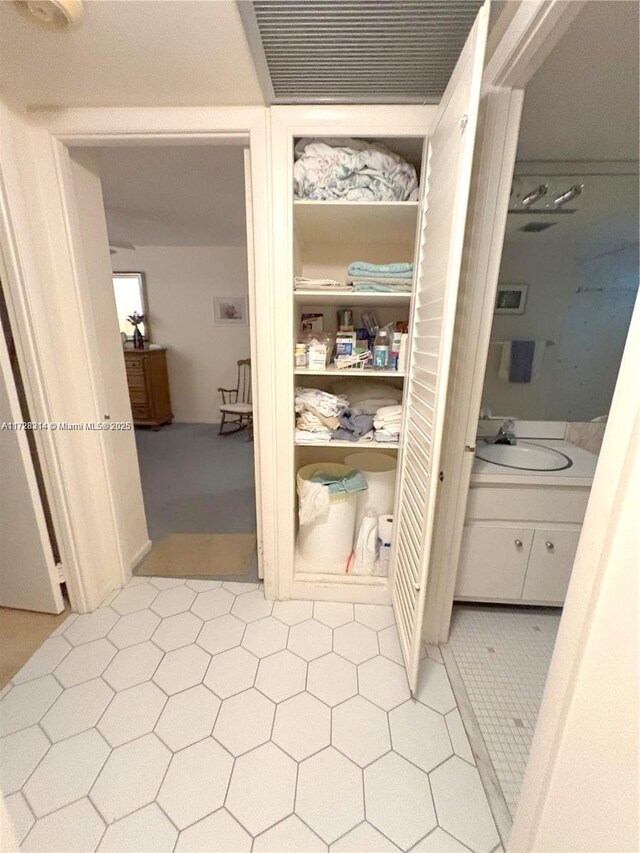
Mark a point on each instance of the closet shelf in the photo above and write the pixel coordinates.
(351, 374)
(356, 222)
(332, 297)
(311, 573)
(356, 445)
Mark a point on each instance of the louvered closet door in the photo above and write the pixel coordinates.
(444, 207)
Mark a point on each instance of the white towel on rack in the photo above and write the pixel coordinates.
(504, 367)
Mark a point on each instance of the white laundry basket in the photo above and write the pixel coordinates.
(380, 470)
(325, 544)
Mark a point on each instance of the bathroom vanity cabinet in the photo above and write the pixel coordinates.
(521, 532)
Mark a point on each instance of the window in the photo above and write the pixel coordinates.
(129, 289)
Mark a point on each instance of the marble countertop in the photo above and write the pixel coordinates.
(580, 474)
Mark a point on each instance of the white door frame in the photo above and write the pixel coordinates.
(532, 31)
(63, 360)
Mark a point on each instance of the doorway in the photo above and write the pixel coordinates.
(176, 227)
(566, 293)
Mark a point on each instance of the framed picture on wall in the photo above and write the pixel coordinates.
(230, 310)
(511, 298)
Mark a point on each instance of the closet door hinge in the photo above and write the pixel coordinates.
(441, 477)
(463, 122)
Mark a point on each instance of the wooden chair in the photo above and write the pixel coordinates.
(236, 408)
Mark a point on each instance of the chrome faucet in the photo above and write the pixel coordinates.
(505, 434)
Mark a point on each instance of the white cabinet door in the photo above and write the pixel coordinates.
(493, 562)
(28, 576)
(444, 209)
(550, 565)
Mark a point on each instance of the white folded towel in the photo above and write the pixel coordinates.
(389, 413)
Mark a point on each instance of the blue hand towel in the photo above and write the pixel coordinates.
(522, 352)
(364, 269)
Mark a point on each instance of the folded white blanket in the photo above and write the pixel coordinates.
(383, 436)
(391, 429)
(302, 283)
(303, 436)
(309, 422)
(325, 403)
(389, 413)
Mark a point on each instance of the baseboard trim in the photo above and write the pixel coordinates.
(140, 555)
(488, 775)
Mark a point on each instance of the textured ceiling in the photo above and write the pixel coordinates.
(174, 195)
(130, 53)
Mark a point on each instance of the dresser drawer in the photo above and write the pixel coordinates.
(138, 396)
(140, 412)
(133, 362)
(136, 381)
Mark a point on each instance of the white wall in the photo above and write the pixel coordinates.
(580, 791)
(181, 283)
(589, 329)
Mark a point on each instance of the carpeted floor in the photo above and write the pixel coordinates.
(195, 481)
(22, 632)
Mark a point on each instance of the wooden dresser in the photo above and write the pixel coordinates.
(148, 383)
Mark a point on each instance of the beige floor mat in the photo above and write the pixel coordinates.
(200, 554)
(22, 632)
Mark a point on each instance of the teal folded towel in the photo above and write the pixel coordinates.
(381, 287)
(354, 481)
(363, 269)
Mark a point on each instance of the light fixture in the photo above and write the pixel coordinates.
(534, 195)
(56, 15)
(568, 195)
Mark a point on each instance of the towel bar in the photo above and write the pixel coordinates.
(501, 343)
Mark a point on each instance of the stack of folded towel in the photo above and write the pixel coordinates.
(302, 283)
(321, 416)
(387, 424)
(316, 415)
(381, 278)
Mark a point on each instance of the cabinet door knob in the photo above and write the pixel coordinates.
(550, 546)
(517, 543)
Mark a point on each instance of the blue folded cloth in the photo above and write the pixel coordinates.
(380, 287)
(352, 426)
(521, 366)
(354, 481)
(364, 270)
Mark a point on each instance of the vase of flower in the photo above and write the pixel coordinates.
(136, 319)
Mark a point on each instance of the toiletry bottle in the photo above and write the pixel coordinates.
(382, 348)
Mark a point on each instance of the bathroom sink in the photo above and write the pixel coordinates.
(524, 455)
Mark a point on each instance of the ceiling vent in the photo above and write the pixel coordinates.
(356, 51)
(536, 227)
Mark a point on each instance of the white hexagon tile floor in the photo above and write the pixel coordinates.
(193, 715)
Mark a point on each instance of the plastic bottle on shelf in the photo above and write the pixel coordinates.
(382, 348)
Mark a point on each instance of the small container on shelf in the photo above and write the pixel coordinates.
(357, 360)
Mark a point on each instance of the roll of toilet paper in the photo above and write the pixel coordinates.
(385, 529)
(385, 532)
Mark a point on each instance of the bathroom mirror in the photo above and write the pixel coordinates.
(579, 262)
